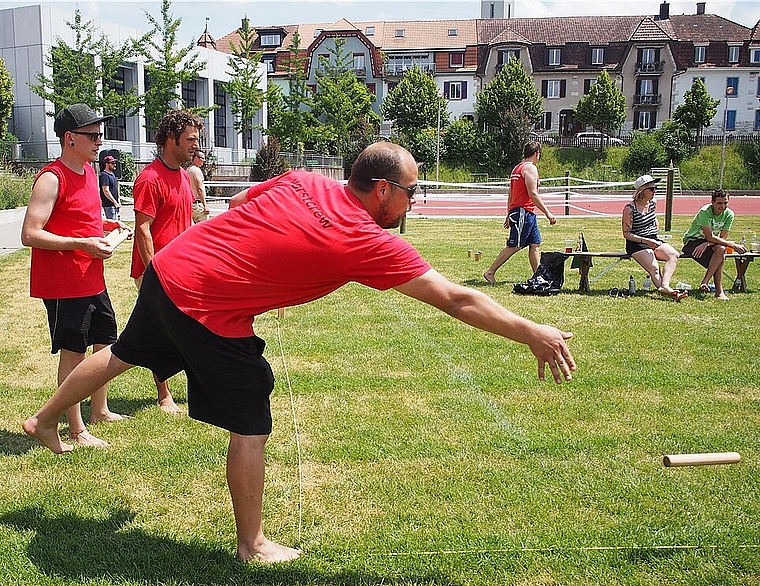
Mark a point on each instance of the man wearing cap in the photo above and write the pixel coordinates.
(64, 227)
(164, 203)
(109, 189)
(706, 241)
(642, 242)
(521, 212)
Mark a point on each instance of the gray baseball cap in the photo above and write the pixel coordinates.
(76, 116)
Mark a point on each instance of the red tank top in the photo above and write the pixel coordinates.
(65, 274)
(519, 197)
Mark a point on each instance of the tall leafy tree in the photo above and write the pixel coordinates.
(290, 117)
(6, 97)
(167, 67)
(506, 108)
(87, 72)
(245, 77)
(342, 102)
(698, 108)
(414, 104)
(603, 107)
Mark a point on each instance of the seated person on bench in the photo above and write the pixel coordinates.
(640, 228)
(705, 240)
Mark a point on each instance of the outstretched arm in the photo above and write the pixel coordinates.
(477, 309)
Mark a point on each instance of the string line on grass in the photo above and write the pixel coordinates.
(561, 549)
(295, 429)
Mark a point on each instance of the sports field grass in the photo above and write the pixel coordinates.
(429, 452)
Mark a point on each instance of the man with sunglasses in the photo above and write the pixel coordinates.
(64, 227)
(286, 241)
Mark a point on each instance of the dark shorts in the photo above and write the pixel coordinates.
(631, 247)
(228, 379)
(523, 228)
(78, 323)
(111, 212)
(688, 250)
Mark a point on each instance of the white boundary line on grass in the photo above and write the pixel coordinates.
(561, 549)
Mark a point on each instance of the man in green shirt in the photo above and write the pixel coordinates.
(705, 240)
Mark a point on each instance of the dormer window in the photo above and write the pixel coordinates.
(270, 40)
(369, 31)
(700, 53)
(597, 56)
(453, 32)
(555, 57)
(733, 54)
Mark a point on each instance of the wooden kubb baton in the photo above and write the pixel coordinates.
(708, 459)
(116, 237)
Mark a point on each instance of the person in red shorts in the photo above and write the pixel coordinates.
(64, 226)
(287, 241)
(164, 203)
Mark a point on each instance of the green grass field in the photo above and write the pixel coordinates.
(429, 452)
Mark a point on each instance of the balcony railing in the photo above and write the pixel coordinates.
(399, 70)
(650, 67)
(647, 100)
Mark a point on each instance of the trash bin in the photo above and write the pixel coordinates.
(16, 153)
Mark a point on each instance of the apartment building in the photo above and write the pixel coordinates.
(26, 37)
(653, 60)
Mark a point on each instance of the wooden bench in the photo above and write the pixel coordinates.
(586, 258)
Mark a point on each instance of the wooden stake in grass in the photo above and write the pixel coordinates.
(673, 460)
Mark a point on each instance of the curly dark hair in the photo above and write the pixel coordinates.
(173, 124)
(719, 193)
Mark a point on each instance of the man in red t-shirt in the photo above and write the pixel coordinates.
(289, 240)
(64, 226)
(164, 203)
(521, 212)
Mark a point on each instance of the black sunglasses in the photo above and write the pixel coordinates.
(410, 191)
(94, 136)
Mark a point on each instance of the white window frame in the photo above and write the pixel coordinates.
(455, 90)
(453, 32)
(270, 40)
(399, 33)
(553, 89)
(452, 57)
(369, 31)
(645, 115)
(700, 53)
(648, 55)
(733, 53)
(360, 61)
(597, 56)
(555, 57)
(754, 55)
(268, 61)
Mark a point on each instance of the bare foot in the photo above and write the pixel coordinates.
(722, 296)
(488, 276)
(268, 552)
(108, 417)
(86, 439)
(47, 435)
(168, 405)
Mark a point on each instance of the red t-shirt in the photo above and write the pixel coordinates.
(166, 196)
(519, 197)
(66, 274)
(299, 237)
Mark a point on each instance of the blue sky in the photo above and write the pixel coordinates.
(224, 16)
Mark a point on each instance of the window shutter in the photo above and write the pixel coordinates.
(562, 88)
(446, 89)
(464, 90)
(586, 86)
(653, 120)
(544, 88)
(547, 120)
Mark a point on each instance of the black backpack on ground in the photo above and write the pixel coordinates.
(548, 278)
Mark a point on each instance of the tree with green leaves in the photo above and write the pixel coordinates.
(290, 117)
(6, 97)
(415, 103)
(245, 77)
(87, 72)
(167, 68)
(603, 107)
(342, 102)
(506, 108)
(698, 108)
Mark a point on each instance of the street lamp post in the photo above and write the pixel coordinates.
(438, 141)
(729, 93)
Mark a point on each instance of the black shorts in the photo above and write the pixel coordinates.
(631, 246)
(228, 379)
(78, 323)
(688, 250)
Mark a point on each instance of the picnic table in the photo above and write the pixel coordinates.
(586, 259)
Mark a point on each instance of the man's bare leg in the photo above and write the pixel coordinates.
(67, 362)
(534, 256)
(86, 378)
(245, 479)
(99, 411)
(503, 256)
(165, 399)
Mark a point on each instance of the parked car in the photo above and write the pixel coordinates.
(594, 140)
(543, 138)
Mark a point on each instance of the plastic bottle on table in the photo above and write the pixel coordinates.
(755, 246)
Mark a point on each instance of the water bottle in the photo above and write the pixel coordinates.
(631, 286)
(647, 283)
(681, 286)
(755, 244)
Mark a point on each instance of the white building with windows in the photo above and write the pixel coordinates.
(26, 37)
